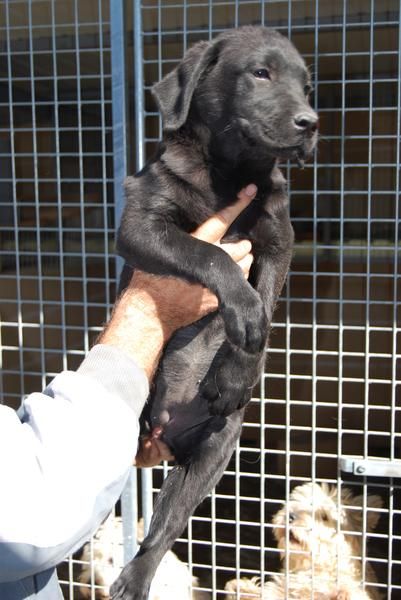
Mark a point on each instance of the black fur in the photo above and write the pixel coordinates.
(231, 109)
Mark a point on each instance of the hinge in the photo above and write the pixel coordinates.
(371, 467)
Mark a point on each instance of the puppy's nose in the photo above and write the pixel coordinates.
(306, 121)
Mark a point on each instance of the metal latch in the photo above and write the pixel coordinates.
(371, 467)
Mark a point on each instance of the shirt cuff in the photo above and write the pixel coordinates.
(118, 373)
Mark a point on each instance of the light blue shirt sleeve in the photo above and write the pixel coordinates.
(64, 460)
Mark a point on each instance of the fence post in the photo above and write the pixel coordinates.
(139, 104)
(129, 498)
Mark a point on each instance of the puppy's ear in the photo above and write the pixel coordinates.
(174, 92)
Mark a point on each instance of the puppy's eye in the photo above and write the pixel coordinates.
(261, 74)
(308, 90)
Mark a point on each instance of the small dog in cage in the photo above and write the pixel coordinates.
(321, 552)
(102, 561)
(232, 109)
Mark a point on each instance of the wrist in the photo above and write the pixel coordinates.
(136, 329)
(149, 311)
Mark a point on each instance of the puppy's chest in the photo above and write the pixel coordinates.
(193, 206)
(256, 223)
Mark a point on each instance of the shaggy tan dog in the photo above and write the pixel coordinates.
(320, 545)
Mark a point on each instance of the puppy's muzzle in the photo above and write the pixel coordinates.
(306, 122)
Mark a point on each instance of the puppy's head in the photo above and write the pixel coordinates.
(248, 83)
(320, 530)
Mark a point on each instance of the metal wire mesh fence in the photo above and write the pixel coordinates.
(331, 388)
(57, 213)
(56, 171)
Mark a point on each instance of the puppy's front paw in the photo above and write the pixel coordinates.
(245, 322)
(230, 380)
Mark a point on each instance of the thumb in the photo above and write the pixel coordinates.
(214, 228)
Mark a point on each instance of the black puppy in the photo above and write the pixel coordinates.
(231, 109)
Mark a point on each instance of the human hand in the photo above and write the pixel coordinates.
(214, 229)
(152, 450)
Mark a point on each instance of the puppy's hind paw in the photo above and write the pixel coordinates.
(224, 398)
(122, 589)
(228, 384)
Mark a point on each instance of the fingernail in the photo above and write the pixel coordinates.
(251, 189)
(156, 433)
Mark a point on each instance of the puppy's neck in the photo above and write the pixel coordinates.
(216, 163)
(230, 175)
(235, 163)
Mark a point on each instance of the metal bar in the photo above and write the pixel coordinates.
(18, 298)
(139, 105)
(119, 111)
(370, 467)
(287, 369)
(129, 498)
(394, 377)
(139, 87)
(341, 243)
(59, 200)
(81, 177)
(368, 291)
(104, 154)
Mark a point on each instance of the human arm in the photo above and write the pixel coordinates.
(66, 457)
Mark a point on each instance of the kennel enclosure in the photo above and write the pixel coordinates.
(76, 115)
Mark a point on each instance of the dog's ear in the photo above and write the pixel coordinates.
(356, 516)
(174, 92)
(373, 516)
